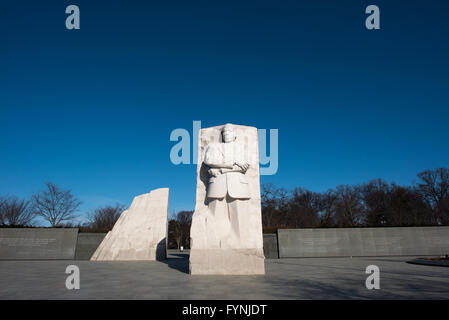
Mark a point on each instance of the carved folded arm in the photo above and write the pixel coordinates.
(214, 159)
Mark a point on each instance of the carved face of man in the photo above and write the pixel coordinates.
(228, 134)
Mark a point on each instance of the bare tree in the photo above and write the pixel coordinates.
(275, 202)
(350, 210)
(434, 188)
(304, 206)
(55, 205)
(407, 208)
(376, 199)
(328, 207)
(172, 241)
(2, 201)
(16, 212)
(181, 228)
(104, 218)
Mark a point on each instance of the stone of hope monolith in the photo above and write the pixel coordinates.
(226, 233)
(141, 231)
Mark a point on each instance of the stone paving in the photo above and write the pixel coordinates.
(307, 278)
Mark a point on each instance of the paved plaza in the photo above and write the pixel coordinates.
(307, 278)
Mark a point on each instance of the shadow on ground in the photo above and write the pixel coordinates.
(178, 261)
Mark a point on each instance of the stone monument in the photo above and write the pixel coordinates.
(141, 231)
(226, 233)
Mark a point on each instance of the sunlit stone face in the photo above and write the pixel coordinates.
(228, 134)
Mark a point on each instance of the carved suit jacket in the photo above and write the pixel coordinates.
(233, 183)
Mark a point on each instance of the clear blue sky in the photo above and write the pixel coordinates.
(92, 109)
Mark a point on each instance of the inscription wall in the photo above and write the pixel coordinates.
(38, 243)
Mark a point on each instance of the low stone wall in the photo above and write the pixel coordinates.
(68, 244)
(344, 242)
(38, 243)
(270, 246)
(87, 244)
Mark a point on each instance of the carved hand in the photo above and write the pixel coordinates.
(214, 172)
(243, 165)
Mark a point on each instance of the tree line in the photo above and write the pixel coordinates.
(58, 207)
(372, 204)
(53, 204)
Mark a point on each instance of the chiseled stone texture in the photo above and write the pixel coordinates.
(227, 240)
(141, 231)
